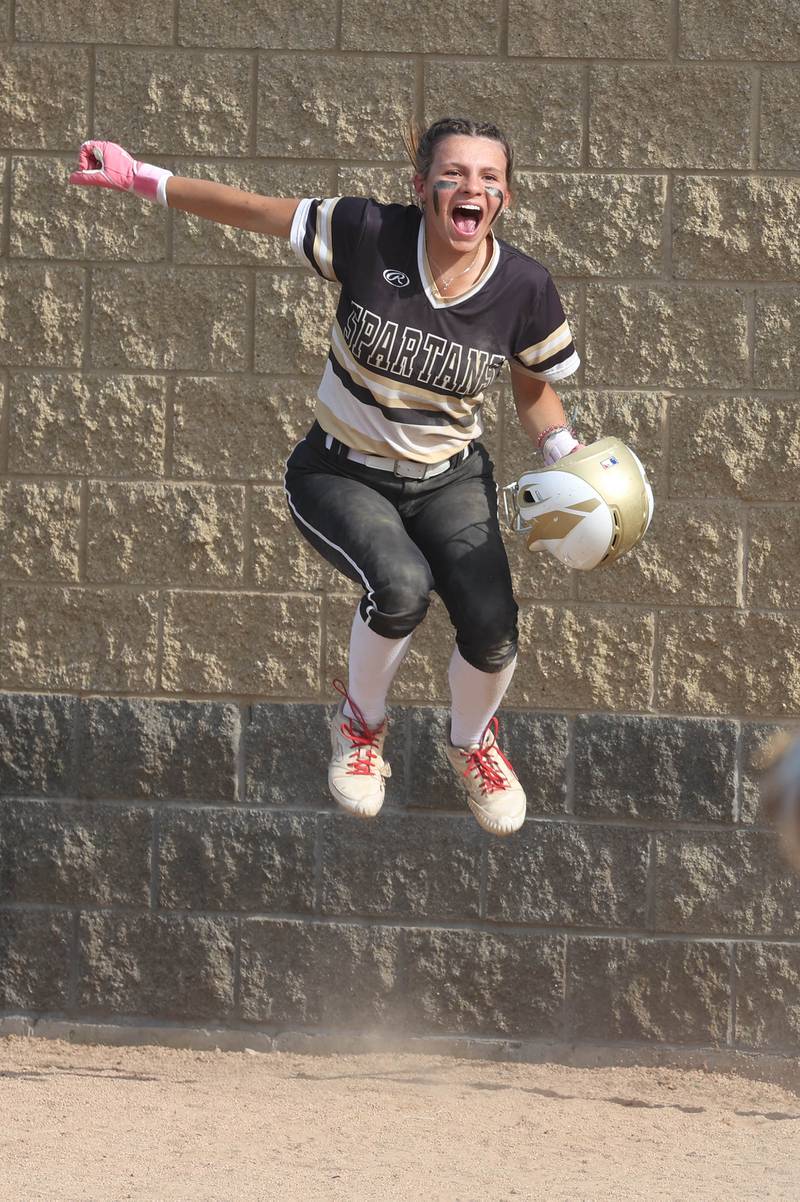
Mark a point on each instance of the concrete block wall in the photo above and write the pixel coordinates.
(167, 644)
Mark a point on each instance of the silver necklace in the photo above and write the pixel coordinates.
(446, 281)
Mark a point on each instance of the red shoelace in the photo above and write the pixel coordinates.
(363, 739)
(480, 761)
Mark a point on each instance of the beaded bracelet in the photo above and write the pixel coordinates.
(545, 434)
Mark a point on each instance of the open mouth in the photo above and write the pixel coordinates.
(466, 218)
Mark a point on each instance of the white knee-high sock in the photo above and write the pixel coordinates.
(374, 662)
(474, 696)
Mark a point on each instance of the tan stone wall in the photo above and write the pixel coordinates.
(155, 370)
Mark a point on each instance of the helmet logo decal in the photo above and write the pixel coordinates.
(556, 524)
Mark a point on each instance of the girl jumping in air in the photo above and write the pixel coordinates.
(391, 484)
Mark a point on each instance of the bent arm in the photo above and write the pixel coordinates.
(538, 406)
(230, 206)
(542, 417)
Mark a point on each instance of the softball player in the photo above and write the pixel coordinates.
(391, 484)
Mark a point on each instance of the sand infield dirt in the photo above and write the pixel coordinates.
(102, 1124)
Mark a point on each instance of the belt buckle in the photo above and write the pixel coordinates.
(409, 470)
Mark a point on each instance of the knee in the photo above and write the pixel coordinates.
(492, 658)
(490, 645)
(397, 608)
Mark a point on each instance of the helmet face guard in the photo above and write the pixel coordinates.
(586, 509)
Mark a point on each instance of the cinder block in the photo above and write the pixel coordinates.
(755, 739)
(718, 448)
(389, 185)
(482, 983)
(100, 21)
(78, 638)
(272, 777)
(52, 220)
(606, 225)
(647, 989)
(773, 577)
(401, 865)
(165, 534)
(41, 315)
(39, 530)
(240, 427)
(72, 855)
(597, 29)
(426, 27)
(156, 965)
(583, 657)
(36, 755)
(165, 750)
(241, 643)
(725, 883)
(331, 975)
(657, 769)
(735, 229)
(673, 336)
(171, 102)
(716, 29)
(258, 24)
(187, 318)
(777, 359)
(727, 662)
(543, 119)
(416, 980)
(294, 314)
(659, 572)
(43, 97)
(670, 116)
(201, 241)
(35, 954)
(241, 860)
(568, 874)
(768, 996)
(318, 107)
(85, 425)
(779, 143)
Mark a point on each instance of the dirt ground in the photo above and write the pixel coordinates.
(99, 1124)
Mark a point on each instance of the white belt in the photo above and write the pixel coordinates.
(407, 468)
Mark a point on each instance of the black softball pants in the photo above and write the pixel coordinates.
(401, 539)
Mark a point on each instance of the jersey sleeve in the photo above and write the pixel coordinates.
(544, 347)
(325, 234)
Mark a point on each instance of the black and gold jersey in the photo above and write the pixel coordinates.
(407, 368)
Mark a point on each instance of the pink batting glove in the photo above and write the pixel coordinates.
(107, 165)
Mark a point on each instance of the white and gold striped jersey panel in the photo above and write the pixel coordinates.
(365, 428)
(553, 357)
(311, 235)
(400, 395)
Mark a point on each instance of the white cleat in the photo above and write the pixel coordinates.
(494, 793)
(357, 771)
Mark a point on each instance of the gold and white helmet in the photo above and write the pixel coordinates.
(587, 509)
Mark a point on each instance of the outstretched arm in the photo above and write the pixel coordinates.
(108, 165)
(230, 206)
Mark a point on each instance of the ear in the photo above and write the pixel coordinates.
(418, 184)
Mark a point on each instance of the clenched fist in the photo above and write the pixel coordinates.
(107, 165)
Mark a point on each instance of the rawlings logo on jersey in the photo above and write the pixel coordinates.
(398, 279)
